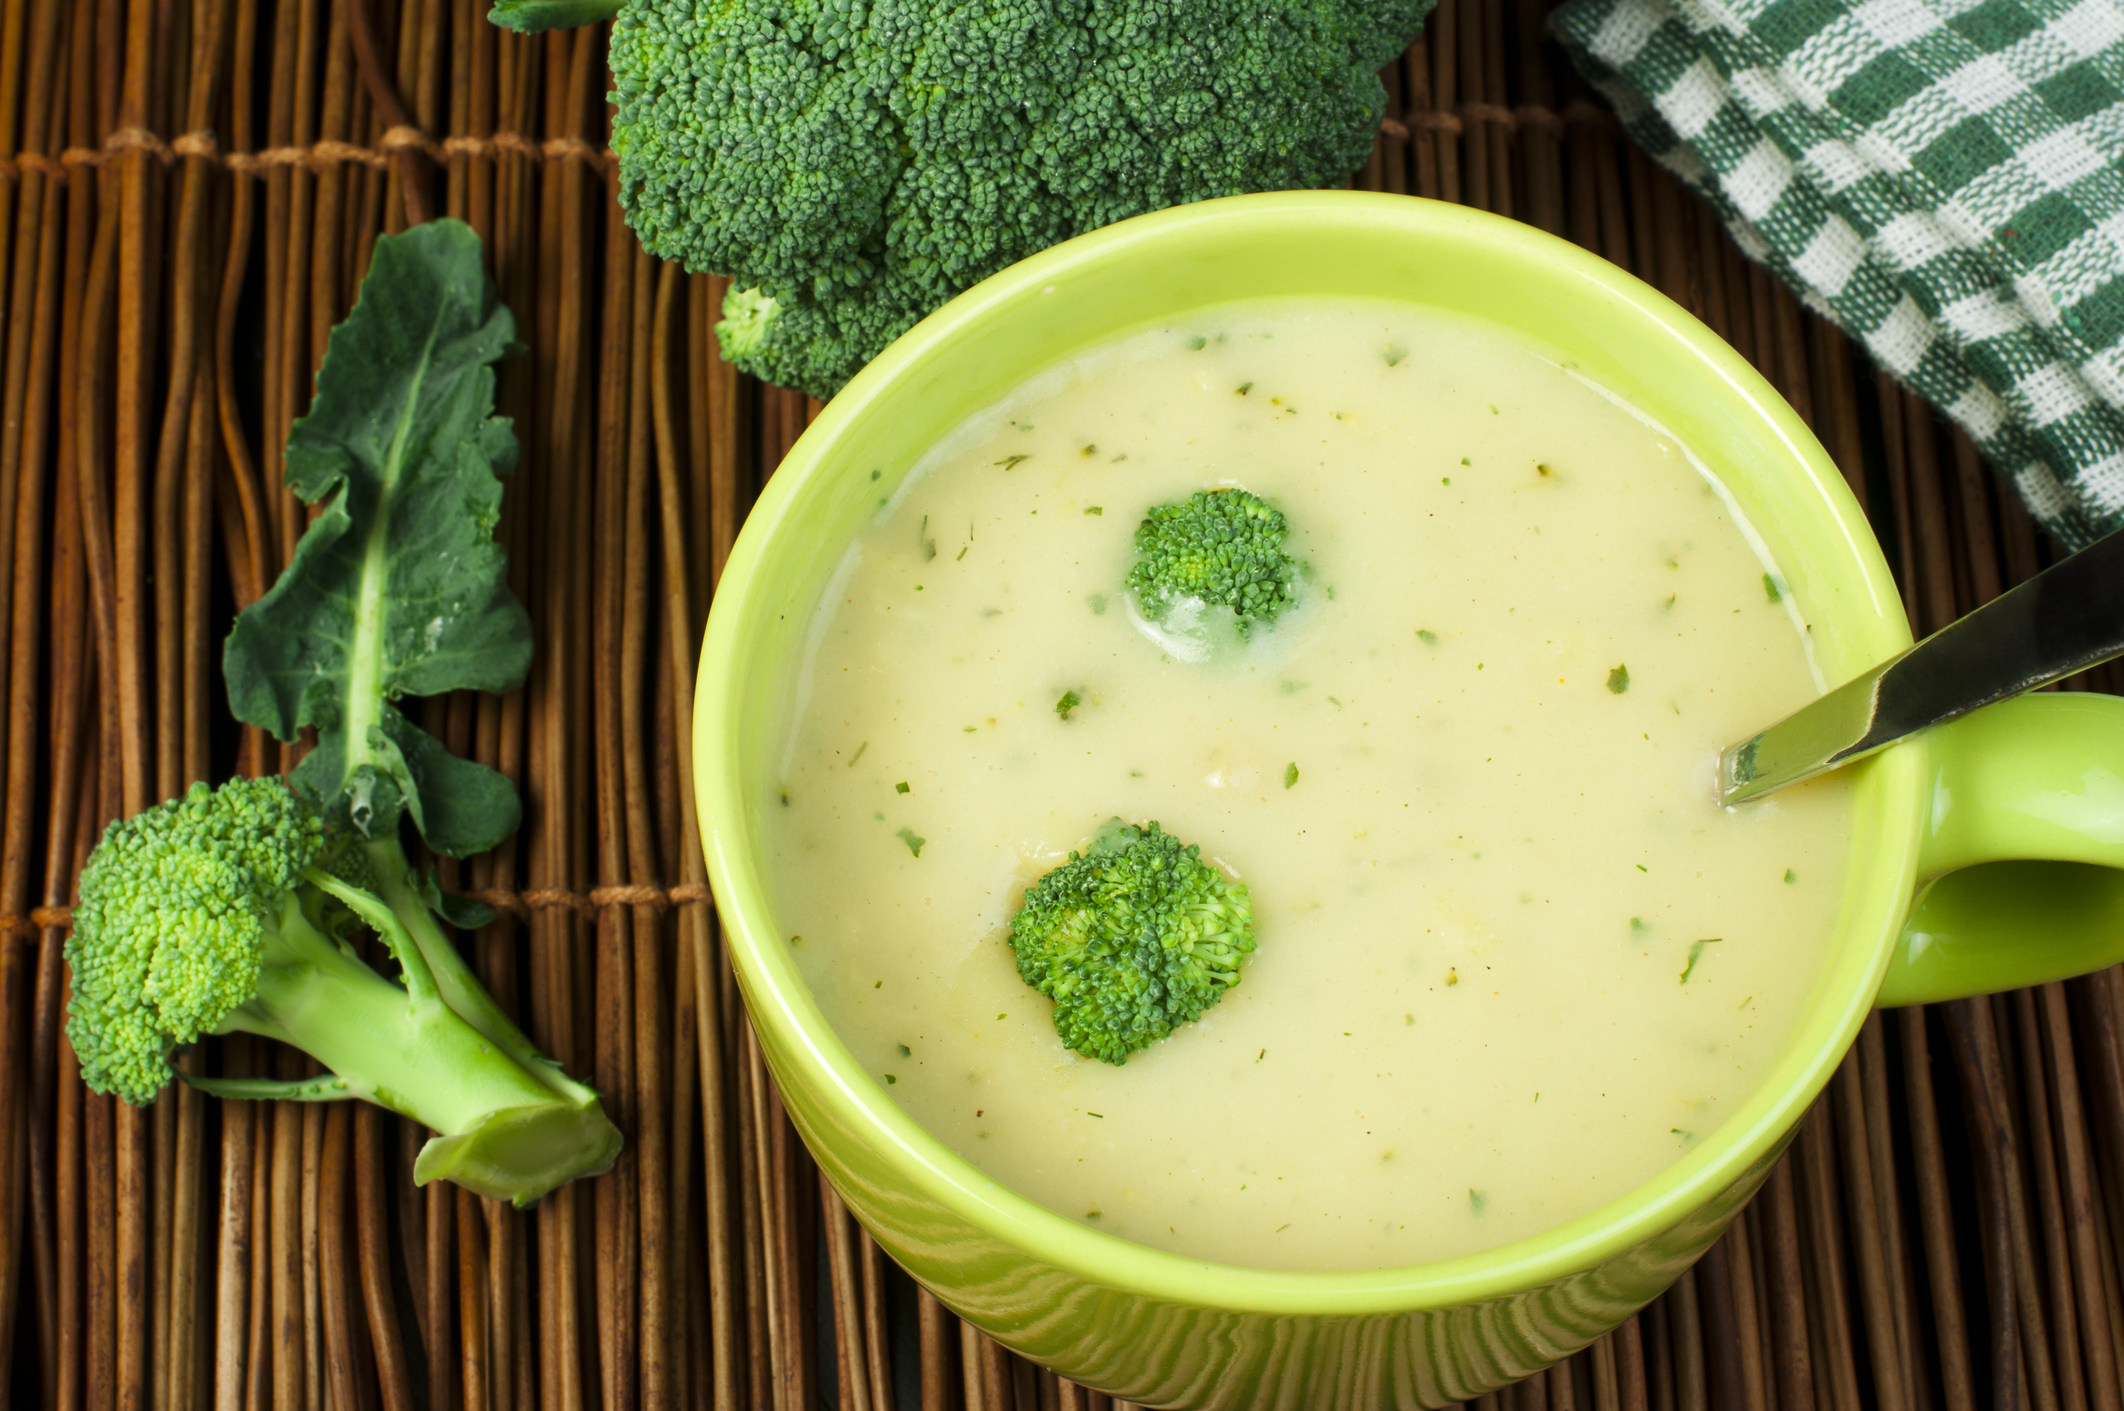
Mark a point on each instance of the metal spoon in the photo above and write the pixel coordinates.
(2065, 619)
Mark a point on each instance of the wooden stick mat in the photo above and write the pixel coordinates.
(189, 192)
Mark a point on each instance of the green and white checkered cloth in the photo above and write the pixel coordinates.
(1941, 177)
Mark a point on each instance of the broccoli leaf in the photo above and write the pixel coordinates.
(532, 16)
(462, 912)
(398, 587)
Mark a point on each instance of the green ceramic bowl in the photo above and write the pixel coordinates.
(2036, 778)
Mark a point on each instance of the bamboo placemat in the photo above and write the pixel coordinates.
(188, 198)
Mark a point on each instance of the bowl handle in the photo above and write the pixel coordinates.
(2019, 879)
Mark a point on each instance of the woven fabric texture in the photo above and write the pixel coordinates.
(1941, 177)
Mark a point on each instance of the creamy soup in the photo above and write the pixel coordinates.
(1512, 958)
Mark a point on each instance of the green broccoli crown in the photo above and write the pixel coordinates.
(1131, 938)
(862, 161)
(1222, 548)
(175, 905)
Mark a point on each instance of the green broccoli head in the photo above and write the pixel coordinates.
(860, 162)
(1220, 548)
(1131, 938)
(176, 904)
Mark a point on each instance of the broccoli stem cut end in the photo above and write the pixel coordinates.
(520, 1153)
(748, 317)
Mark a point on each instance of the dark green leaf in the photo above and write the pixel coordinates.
(462, 912)
(398, 588)
(531, 16)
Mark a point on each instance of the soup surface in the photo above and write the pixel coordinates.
(1512, 960)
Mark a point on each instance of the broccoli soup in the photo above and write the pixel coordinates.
(1512, 959)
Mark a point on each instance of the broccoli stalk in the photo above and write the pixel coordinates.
(454, 981)
(1131, 938)
(235, 909)
(511, 1129)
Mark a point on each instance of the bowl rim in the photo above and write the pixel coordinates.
(795, 1030)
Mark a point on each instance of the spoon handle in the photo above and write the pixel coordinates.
(2065, 619)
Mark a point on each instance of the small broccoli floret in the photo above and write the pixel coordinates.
(1131, 938)
(1220, 548)
(213, 871)
(234, 910)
